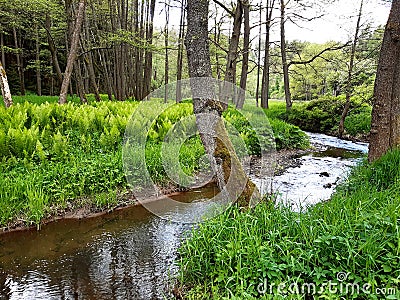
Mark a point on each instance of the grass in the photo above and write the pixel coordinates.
(357, 232)
(52, 155)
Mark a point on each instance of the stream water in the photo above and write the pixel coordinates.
(131, 254)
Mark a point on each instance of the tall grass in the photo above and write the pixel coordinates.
(357, 232)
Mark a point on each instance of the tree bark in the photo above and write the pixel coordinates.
(180, 53)
(3, 55)
(231, 60)
(166, 45)
(246, 49)
(285, 66)
(149, 52)
(385, 127)
(208, 110)
(38, 75)
(349, 84)
(266, 73)
(259, 57)
(5, 89)
(89, 63)
(72, 53)
(53, 49)
(19, 63)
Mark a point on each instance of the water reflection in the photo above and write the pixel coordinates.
(127, 255)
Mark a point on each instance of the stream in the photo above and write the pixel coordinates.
(130, 253)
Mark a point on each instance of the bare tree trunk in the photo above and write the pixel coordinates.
(208, 111)
(166, 36)
(19, 63)
(72, 53)
(149, 53)
(231, 60)
(53, 49)
(38, 75)
(180, 53)
(5, 89)
(3, 55)
(385, 127)
(285, 65)
(349, 84)
(89, 62)
(79, 82)
(107, 77)
(246, 49)
(259, 57)
(265, 78)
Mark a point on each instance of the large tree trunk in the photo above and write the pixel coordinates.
(349, 85)
(72, 53)
(385, 127)
(285, 66)
(245, 61)
(208, 110)
(5, 89)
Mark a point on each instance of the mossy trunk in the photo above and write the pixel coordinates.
(229, 174)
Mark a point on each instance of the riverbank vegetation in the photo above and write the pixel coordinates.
(351, 239)
(323, 116)
(56, 158)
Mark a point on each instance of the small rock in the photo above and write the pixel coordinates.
(327, 186)
(324, 174)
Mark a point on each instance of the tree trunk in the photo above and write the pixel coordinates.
(149, 52)
(38, 75)
(3, 55)
(80, 87)
(166, 45)
(349, 85)
(89, 63)
(385, 127)
(246, 49)
(285, 65)
(180, 53)
(231, 60)
(265, 78)
(72, 53)
(53, 49)
(208, 110)
(5, 89)
(259, 57)
(19, 63)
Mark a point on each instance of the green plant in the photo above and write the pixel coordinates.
(356, 232)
